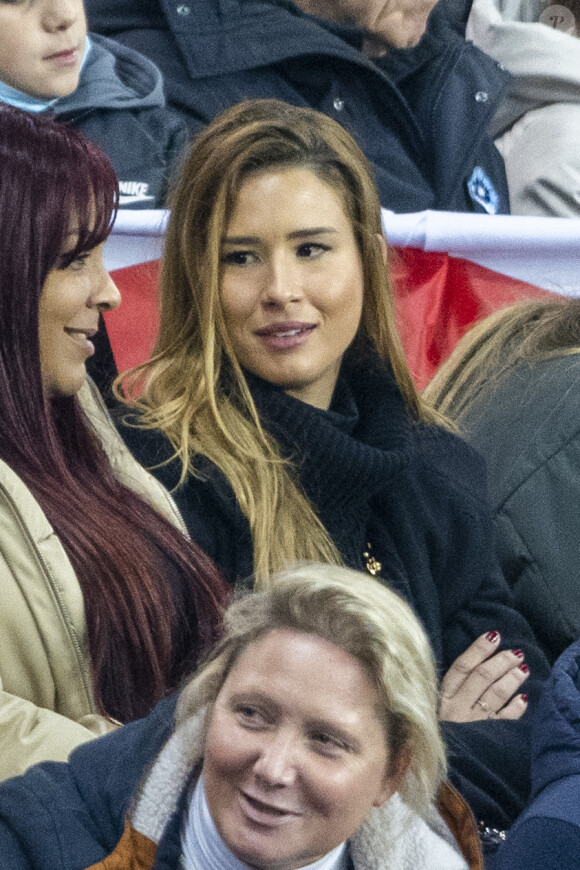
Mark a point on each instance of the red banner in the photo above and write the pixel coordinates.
(438, 298)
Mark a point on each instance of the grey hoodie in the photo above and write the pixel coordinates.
(120, 105)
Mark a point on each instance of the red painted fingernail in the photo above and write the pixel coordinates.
(492, 636)
(518, 653)
(525, 669)
(524, 698)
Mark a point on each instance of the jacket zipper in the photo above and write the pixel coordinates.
(46, 572)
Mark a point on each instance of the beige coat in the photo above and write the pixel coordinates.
(46, 697)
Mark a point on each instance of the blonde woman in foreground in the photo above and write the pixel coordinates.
(309, 738)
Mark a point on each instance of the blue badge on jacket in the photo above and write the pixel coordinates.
(481, 190)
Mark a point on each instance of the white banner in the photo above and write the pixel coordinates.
(541, 251)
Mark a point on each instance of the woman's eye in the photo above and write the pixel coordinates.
(327, 744)
(239, 258)
(247, 711)
(250, 715)
(79, 262)
(311, 250)
(75, 264)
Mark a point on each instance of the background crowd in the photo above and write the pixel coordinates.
(277, 424)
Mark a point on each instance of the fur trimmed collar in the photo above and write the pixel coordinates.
(392, 837)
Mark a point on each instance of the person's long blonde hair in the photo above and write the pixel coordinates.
(193, 387)
(526, 332)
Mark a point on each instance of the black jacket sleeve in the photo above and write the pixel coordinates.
(206, 502)
(489, 761)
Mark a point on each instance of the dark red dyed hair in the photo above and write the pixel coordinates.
(141, 579)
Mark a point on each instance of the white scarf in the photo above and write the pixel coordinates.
(203, 848)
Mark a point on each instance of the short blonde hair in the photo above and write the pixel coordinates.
(371, 623)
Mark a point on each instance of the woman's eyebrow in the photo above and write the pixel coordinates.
(305, 233)
(249, 696)
(255, 698)
(240, 240)
(312, 231)
(342, 734)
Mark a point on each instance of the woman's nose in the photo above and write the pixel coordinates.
(282, 284)
(107, 296)
(276, 764)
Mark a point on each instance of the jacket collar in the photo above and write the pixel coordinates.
(114, 77)
(225, 36)
(392, 837)
(125, 466)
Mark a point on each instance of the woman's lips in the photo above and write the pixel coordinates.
(83, 337)
(263, 813)
(287, 335)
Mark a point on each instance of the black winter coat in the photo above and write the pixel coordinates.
(527, 426)
(420, 115)
(416, 494)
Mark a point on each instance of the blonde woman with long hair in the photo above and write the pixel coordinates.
(279, 406)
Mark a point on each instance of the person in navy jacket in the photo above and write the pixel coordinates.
(420, 114)
(547, 834)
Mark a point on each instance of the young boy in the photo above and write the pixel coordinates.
(114, 95)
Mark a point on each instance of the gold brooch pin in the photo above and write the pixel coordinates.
(372, 565)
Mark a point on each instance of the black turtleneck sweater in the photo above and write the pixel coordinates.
(416, 494)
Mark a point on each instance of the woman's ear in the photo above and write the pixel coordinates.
(383, 248)
(395, 775)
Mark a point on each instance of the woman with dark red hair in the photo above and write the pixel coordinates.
(105, 602)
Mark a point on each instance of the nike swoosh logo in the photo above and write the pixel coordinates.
(140, 197)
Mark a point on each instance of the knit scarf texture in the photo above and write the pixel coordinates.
(345, 457)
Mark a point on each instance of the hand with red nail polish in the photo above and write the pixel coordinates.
(483, 683)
